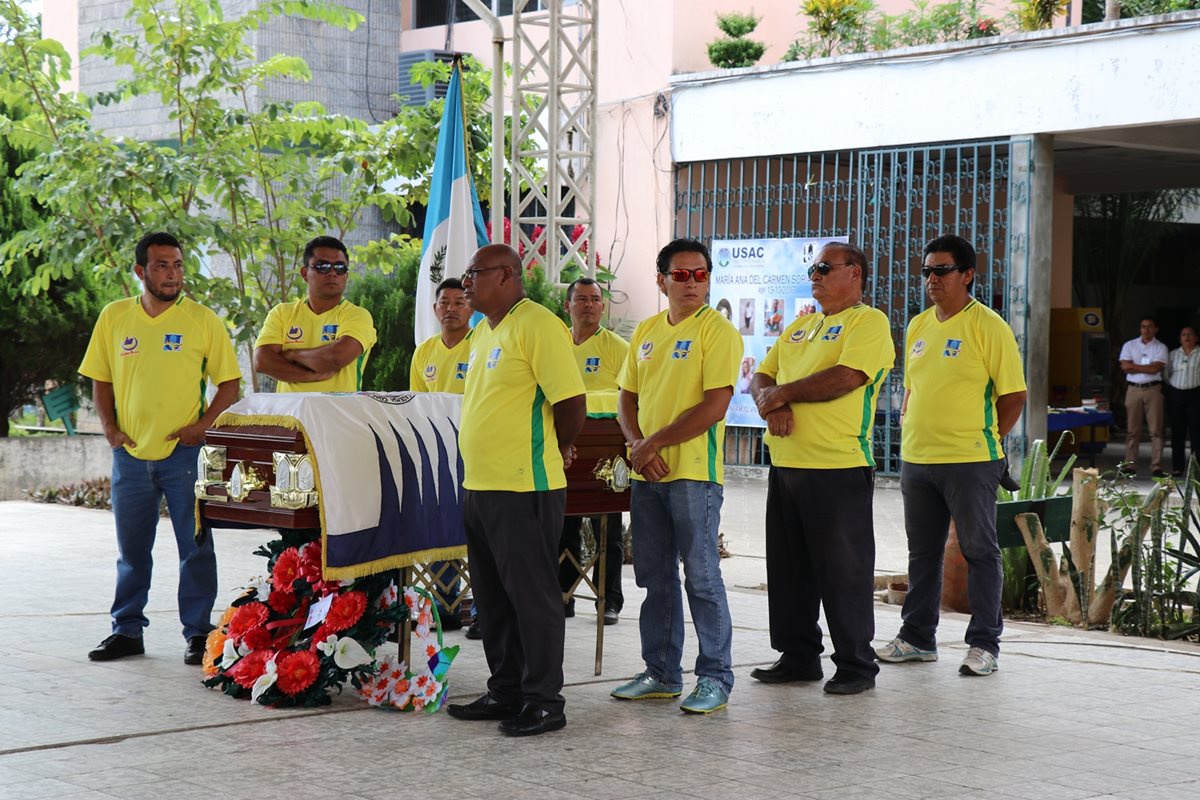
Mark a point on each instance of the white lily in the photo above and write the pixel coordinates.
(229, 655)
(264, 682)
(329, 645)
(349, 654)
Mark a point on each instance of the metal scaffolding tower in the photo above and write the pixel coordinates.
(554, 133)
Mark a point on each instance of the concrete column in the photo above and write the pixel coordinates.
(1040, 265)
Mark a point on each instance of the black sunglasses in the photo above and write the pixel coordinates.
(824, 268)
(942, 271)
(324, 268)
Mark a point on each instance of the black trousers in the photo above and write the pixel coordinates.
(614, 557)
(512, 544)
(821, 550)
(1183, 412)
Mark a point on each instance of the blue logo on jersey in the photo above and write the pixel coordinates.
(129, 344)
(460, 370)
(832, 334)
(295, 333)
(918, 348)
(797, 336)
(172, 342)
(645, 350)
(493, 358)
(328, 333)
(430, 372)
(682, 348)
(591, 364)
(953, 346)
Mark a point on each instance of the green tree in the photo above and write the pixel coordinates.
(390, 299)
(735, 49)
(835, 27)
(44, 338)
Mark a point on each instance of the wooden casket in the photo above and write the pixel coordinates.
(256, 451)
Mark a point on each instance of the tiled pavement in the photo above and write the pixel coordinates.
(1069, 715)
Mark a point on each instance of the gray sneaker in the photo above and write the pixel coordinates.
(644, 686)
(978, 662)
(897, 651)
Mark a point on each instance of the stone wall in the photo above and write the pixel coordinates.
(29, 463)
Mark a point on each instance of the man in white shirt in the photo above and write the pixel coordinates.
(1143, 361)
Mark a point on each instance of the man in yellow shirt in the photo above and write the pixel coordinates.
(817, 389)
(319, 343)
(523, 407)
(146, 358)
(964, 390)
(675, 389)
(600, 354)
(440, 365)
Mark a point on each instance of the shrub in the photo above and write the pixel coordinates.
(735, 50)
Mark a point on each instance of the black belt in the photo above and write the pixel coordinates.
(1145, 385)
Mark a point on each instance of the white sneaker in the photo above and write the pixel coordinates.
(978, 662)
(897, 651)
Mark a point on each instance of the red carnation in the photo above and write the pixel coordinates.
(345, 610)
(297, 671)
(257, 639)
(250, 668)
(247, 618)
(286, 570)
(282, 602)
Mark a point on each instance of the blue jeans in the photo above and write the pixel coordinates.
(673, 520)
(137, 488)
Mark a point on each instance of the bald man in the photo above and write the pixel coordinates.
(522, 409)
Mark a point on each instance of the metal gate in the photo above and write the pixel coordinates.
(889, 201)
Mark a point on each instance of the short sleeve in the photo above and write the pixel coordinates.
(908, 347)
(97, 361)
(1003, 358)
(222, 362)
(359, 326)
(1162, 355)
(869, 348)
(416, 381)
(769, 366)
(547, 346)
(723, 350)
(1126, 351)
(272, 329)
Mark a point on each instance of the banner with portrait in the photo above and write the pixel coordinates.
(761, 285)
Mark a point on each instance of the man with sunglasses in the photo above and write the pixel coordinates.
(964, 390)
(817, 389)
(522, 409)
(319, 343)
(675, 388)
(599, 354)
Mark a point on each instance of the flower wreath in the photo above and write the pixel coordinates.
(292, 636)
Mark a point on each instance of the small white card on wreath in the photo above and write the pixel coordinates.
(318, 611)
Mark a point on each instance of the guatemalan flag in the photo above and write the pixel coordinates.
(454, 227)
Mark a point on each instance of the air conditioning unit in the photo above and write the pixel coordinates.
(414, 94)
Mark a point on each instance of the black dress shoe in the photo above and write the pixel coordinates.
(118, 646)
(532, 721)
(611, 616)
(788, 670)
(485, 707)
(193, 654)
(848, 683)
(474, 632)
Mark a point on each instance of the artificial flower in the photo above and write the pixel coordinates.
(248, 617)
(345, 610)
(286, 570)
(265, 681)
(250, 668)
(348, 654)
(256, 639)
(282, 602)
(310, 562)
(230, 654)
(214, 648)
(297, 670)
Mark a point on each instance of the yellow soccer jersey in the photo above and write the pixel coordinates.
(600, 359)
(670, 367)
(296, 327)
(834, 434)
(158, 366)
(437, 368)
(954, 371)
(516, 373)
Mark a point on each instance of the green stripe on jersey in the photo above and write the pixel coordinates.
(537, 437)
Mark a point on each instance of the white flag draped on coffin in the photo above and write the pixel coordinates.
(454, 227)
(388, 473)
